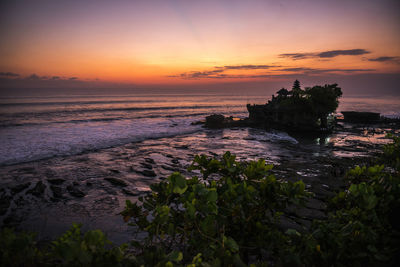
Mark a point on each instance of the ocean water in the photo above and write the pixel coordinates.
(39, 127)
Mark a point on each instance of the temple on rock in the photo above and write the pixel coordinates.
(298, 110)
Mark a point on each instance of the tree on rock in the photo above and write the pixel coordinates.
(324, 100)
(283, 92)
(296, 89)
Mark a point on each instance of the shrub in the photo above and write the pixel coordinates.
(230, 214)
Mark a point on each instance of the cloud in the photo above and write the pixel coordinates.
(326, 54)
(350, 52)
(219, 72)
(34, 77)
(384, 59)
(9, 74)
(247, 67)
(320, 71)
(296, 56)
(195, 75)
(52, 81)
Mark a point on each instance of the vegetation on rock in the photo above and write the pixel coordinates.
(299, 109)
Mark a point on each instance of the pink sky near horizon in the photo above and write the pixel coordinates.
(197, 42)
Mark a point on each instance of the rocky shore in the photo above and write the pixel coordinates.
(47, 196)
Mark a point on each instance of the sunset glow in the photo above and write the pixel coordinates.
(193, 42)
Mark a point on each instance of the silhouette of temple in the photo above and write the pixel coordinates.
(297, 109)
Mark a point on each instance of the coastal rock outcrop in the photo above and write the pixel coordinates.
(307, 110)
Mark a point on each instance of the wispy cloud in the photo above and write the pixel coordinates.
(322, 71)
(325, 54)
(34, 77)
(218, 72)
(273, 71)
(9, 74)
(248, 67)
(195, 75)
(296, 56)
(385, 59)
(350, 52)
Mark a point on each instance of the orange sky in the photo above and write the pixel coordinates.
(172, 42)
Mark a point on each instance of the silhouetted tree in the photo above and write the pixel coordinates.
(296, 89)
(283, 92)
(296, 85)
(324, 100)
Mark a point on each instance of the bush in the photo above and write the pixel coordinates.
(230, 214)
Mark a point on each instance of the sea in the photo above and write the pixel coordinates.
(58, 151)
(44, 126)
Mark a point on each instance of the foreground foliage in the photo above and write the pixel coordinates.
(229, 215)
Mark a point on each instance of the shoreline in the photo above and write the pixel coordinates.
(48, 195)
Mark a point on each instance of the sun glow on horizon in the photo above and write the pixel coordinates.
(171, 42)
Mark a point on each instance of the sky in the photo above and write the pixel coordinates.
(200, 44)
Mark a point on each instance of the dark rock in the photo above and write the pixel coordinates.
(75, 192)
(49, 173)
(168, 168)
(21, 187)
(146, 165)
(115, 181)
(361, 117)
(175, 161)
(57, 191)
(147, 173)
(218, 121)
(5, 202)
(129, 193)
(215, 121)
(89, 183)
(150, 160)
(27, 169)
(114, 171)
(110, 191)
(182, 147)
(38, 190)
(131, 169)
(56, 181)
(12, 221)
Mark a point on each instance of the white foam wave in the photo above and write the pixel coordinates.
(29, 143)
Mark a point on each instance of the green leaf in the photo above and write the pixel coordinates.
(190, 209)
(175, 256)
(292, 232)
(231, 244)
(212, 195)
(178, 182)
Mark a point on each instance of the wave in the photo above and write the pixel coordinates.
(78, 103)
(92, 110)
(44, 143)
(74, 121)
